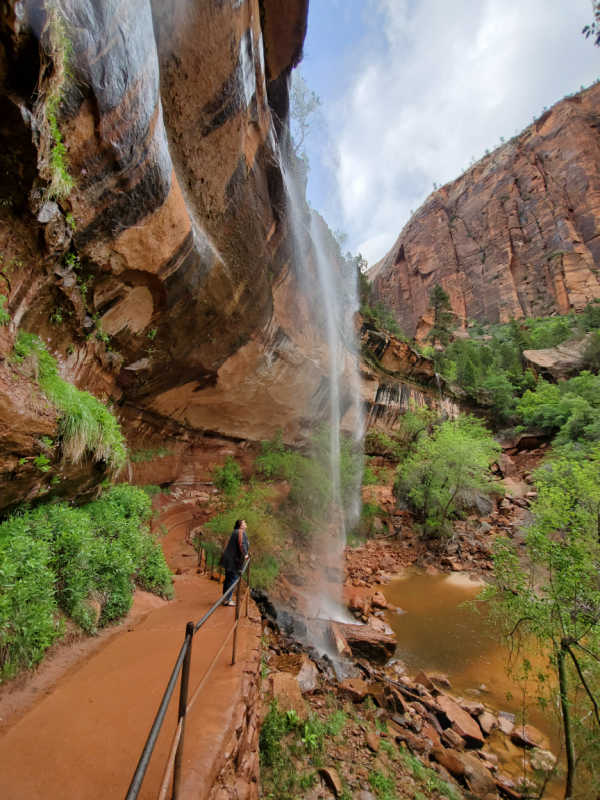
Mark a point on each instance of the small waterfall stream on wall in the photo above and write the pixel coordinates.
(333, 296)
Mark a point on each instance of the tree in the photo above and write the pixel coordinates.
(445, 470)
(591, 353)
(304, 103)
(443, 318)
(593, 29)
(551, 600)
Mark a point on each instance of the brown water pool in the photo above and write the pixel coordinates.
(438, 632)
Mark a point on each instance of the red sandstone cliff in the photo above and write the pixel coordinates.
(165, 280)
(517, 235)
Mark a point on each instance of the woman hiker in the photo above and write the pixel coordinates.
(234, 557)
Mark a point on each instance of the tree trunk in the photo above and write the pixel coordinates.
(566, 715)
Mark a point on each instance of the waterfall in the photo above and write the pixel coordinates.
(333, 294)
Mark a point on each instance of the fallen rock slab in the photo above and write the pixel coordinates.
(527, 736)
(487, 722)
(461, 722)
(365, 642)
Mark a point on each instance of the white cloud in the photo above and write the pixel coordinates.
(435, 84)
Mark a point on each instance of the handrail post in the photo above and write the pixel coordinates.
(183, 695)
(248, 587)
(237, 616)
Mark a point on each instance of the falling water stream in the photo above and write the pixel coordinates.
(333, 298)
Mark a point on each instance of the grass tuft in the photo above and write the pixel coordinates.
(86, 426)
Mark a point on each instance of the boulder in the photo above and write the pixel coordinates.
(286, 691)
(450, 760)
(527, 736)
(461, 722)
(339, 641)
(559, 362)
(379, 601)
(477, 776)
(308, 675)
(487, 722)
(356, 689)
(472, 707)
(425, 681)
(372, 740)
(332, 779)
(542, 760)
(506, 722)
(452, 739)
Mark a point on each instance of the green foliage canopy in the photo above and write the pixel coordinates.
(446, 470)
(552, 596)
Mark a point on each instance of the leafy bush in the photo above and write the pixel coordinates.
(547, 598)
(4, 315)
(445, 469)
(265, 569)
(85, 425)
(264, 529)
(309, 473)
(382, 318)
(570, 409)
(59, 557)
(28, 611)
(369, 476)
(228, 478)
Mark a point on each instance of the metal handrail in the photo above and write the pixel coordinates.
(182, 664)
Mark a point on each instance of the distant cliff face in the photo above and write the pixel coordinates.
(163, 280)
(517, 235)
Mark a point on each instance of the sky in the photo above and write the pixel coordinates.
(413, 90)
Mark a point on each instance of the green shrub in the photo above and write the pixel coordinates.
(570, 409)
(29, 621)
(148, 454)
(383, 786)
(64, 557)
(264, 571)
(228, 478)
(369, 477)
(309, 473)
(264, 529)
(4, 315)
(85, 425)
(445, 470)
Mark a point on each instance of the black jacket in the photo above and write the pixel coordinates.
(235, 553)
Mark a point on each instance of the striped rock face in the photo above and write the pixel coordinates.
(517, 235)
(164, 279)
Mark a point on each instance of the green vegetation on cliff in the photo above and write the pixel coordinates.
(86, 426)
(490, 366)
(548, 594)
(445, 472)
(83, 562)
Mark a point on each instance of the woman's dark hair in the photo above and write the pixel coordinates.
(238, 522)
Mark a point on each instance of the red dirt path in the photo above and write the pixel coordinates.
(82, 740)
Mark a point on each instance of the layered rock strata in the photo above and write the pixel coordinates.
(165, 280)
(517, 235)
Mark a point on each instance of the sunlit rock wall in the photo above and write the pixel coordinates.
(517, 235)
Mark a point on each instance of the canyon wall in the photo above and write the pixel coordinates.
(164, 279)
(517, 235)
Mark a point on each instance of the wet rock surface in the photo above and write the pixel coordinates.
(389, 718)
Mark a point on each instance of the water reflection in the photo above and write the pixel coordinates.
(439, 633)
